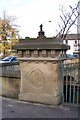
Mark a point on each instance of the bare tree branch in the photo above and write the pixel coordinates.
(68, 20)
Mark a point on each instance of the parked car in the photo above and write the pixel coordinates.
(72, 56)
(75, 55)
(69, 56)
(9, 59)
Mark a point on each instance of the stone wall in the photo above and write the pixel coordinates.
(10, 79)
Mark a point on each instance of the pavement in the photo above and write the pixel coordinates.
(12, 108)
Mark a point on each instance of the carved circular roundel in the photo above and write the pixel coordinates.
(37, 78)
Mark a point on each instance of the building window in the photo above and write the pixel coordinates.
(75, 45)
(76, 42)
(66, 41)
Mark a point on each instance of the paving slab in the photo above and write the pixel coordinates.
(12, 108)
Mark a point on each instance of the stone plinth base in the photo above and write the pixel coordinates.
(40, 81)
(43, 98)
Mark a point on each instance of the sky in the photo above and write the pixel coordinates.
(31, 13)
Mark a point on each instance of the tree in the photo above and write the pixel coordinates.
(8, 34)
(68, 19)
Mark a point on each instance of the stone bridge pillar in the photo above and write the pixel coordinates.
(40, 80)
(40, 72)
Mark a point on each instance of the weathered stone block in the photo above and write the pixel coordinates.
(35, 53)
(40, 82)
(10, 87)
(44, 53)
(20, 53)
(28, 53)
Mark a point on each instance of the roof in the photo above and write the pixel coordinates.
(72, 37)
(41, 42)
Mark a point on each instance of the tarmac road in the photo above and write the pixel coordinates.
(12, 108)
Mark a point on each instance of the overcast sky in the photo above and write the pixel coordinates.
(31, 13)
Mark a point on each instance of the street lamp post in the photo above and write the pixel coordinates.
(78, 33)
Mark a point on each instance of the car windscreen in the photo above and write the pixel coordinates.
(7, 59)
